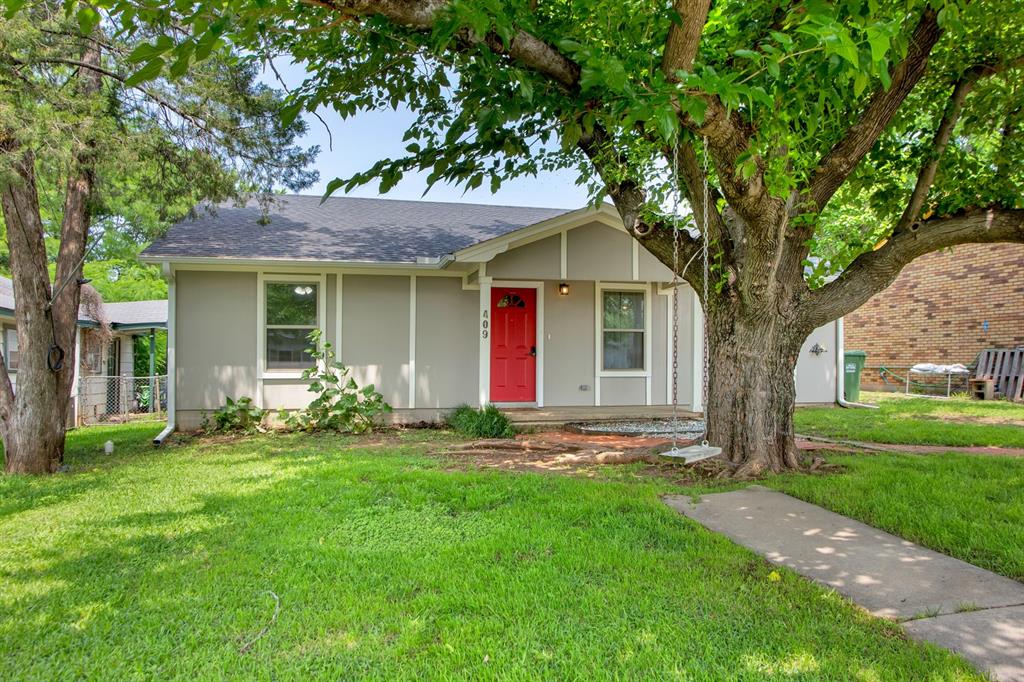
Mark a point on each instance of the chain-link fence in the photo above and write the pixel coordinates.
(121, 399)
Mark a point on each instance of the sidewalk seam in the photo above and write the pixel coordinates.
(912, 619)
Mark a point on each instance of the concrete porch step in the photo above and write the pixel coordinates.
(560, 416)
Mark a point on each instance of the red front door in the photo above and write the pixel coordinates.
(513, 345)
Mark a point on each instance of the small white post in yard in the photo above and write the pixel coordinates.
(907, 390)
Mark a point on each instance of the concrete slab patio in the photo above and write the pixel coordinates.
(953, 604)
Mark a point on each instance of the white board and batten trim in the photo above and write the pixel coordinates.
(697, 325)
(412, 341)
(486, 283)
(338, 290)
(484, 336)
(697, 343)
(172, 334)
(599, 371)
(563, 267)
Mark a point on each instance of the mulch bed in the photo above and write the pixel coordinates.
(567, 452)
(581, 453)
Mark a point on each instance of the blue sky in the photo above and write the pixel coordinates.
(364, 139)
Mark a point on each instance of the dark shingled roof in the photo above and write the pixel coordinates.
(343, 229)
(137, 313)
(127, 313)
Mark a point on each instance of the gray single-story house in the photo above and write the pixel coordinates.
(436, 304)
(104, 364)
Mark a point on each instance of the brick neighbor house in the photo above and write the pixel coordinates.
(944, 308)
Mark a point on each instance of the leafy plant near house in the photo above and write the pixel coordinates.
(238, 416)
(487, 422)
(341, 405)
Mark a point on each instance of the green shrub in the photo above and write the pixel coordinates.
(237, 415)
(488, 422)
(340, 404)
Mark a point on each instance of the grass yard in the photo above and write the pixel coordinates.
(927, 421)
(967, 506)
(391, 564)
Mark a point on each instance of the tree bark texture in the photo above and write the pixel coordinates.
(32, 421)
(752, 390)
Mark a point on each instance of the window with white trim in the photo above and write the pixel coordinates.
(11, 350)
(622, 330)
(292, 313)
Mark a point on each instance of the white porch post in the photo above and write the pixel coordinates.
(74, 381)
(412, 341)
(485, 336)
(698, 352)
(172, 365)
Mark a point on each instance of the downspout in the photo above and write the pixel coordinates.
(171, 372)
(841, 371)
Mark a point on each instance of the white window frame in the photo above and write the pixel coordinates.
(262, 279)
(8, 332)
(599, 291)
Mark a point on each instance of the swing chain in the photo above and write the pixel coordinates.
(676, 276)
(675, 296)
(704, 349)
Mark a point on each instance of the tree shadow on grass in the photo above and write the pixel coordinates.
(387, 569)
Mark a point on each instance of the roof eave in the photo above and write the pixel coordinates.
(131, 326)
(158, 259)
(489, 248)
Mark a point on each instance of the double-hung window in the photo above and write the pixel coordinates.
(11, 349)
(622, 330)
(292, 313)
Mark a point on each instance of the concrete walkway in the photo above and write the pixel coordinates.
(953, 604)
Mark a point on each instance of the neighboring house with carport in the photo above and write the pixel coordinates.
(436, 304)
(105, 385)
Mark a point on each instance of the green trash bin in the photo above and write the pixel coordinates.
(853, 365)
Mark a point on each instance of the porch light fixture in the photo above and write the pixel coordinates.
(563, 289)
(303, 291)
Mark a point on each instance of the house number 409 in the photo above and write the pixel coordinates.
(483, 325)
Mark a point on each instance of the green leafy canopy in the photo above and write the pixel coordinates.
(798, 74)
(165, 140)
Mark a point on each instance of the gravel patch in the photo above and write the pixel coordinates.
(641, 427)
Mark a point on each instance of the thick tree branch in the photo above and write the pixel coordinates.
(950, 116)
(926, 176)
(692, 176)
(728, 136)
(524, 47)
(630, 201)
(873, 271)
(728, 139)
(684, 39)
(836, 166)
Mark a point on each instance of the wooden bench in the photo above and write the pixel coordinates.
(999, 374)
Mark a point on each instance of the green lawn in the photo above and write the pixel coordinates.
(967, 506)
(928, 421)
(389, 564)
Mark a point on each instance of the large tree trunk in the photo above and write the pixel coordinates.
(752, 390)
(32, 422)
